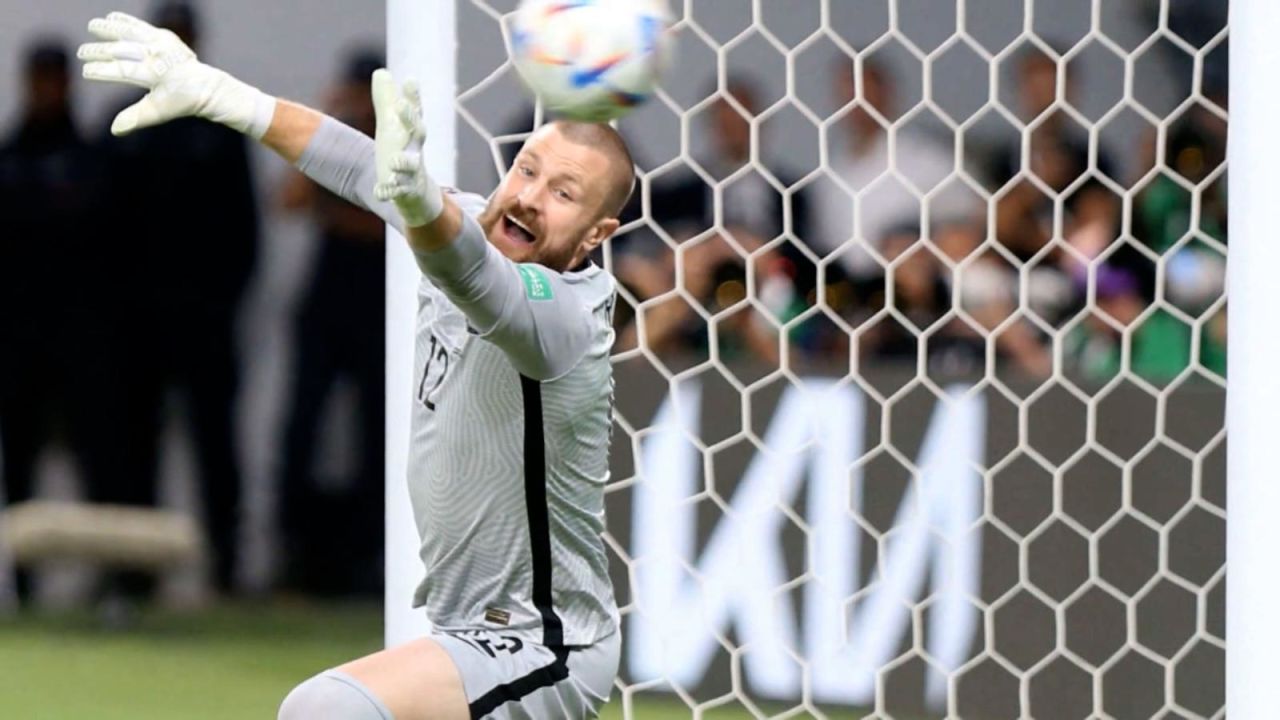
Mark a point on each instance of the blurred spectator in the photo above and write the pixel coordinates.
(332, 530)
(685, 204)
(57, 350)
(714, 277)
(1161, 344)
(1125, 280)
(1058, 158)
(1196, 147)
(985, 288)
(861, 162)
(1195, 270)
(924, 285)
(186, 195)
(714, 264)
(919, 296)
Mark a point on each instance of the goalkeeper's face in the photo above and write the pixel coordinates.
(552, 206)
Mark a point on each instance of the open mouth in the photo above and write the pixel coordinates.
(516, 231)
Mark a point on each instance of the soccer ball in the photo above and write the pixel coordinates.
(590, 60)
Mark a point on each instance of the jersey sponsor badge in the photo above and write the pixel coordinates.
(537, 286)
(496, 616)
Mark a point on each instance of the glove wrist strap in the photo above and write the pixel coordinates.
(425, 208)
(240, 106)
(264, 109)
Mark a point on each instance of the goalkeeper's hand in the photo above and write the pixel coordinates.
(179, 85)
(402, 179)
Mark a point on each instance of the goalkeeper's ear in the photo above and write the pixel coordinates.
(601, 231)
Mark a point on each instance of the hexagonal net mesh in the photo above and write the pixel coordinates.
(920, 361)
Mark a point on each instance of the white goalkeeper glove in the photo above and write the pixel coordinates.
(398, 144)
(137, 53)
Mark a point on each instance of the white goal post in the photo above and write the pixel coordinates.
(807, 542)
(421, 43)
(1253, 396)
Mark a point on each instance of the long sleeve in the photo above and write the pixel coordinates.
(341, 159)
(528, 310)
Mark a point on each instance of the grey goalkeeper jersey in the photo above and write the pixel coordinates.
(512, 411)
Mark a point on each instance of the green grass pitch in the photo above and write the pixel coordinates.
(229, 662)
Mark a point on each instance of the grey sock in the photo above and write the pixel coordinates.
(333, 695)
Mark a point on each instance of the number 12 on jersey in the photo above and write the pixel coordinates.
(436, 367)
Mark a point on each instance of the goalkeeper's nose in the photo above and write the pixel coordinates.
(529, 199)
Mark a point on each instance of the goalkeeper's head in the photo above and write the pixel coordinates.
(562, 196)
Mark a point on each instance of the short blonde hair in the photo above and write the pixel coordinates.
(622, 169)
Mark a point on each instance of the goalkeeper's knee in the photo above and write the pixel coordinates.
(332, 694)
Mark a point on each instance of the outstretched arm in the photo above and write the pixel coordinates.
(133, 52)
(524, 309)
(346, 162)
(293, 127)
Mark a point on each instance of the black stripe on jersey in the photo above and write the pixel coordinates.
(545, 676)
(535, 498)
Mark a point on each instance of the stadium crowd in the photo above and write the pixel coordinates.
(98, 330)
(990, 265)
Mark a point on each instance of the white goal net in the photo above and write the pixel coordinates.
(921, 356)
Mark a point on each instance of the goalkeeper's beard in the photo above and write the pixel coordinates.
(557, 256)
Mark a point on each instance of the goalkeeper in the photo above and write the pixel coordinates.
(512, 388)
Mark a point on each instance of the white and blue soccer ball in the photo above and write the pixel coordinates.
(591, 60)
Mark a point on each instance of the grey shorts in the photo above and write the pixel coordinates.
(506, 676)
